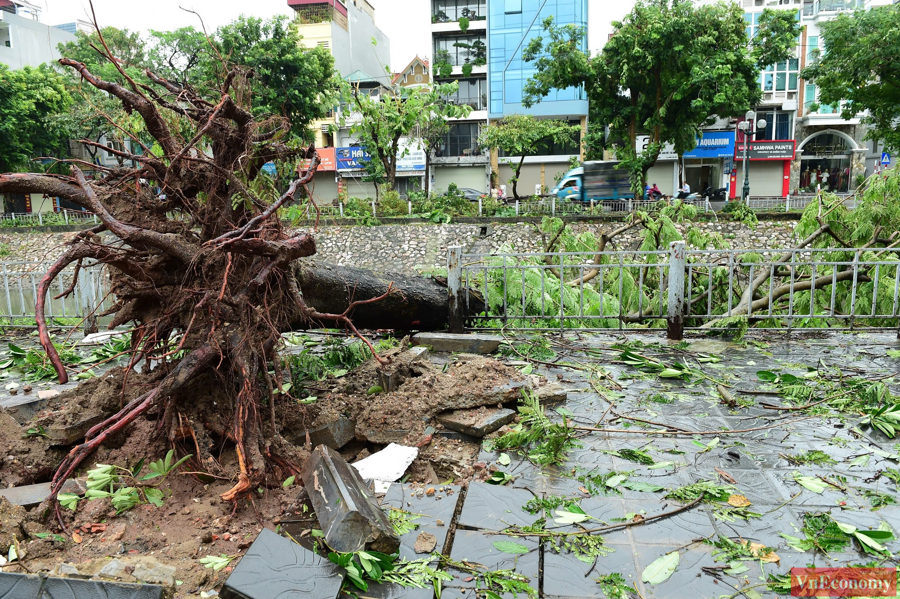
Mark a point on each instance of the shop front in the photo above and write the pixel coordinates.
(410, 170)
(770, 171)
(707, 165)
(826, 163)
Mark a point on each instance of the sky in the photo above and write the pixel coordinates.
(394, 17)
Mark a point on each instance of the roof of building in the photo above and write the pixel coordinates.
(412, 62)
(358, 76)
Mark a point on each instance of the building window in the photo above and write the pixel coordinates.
(446, 11)
(472, 92)
(778, 126)
(462, 140)
(460, 49)
(513, 7)
(782, 76)
(550, 148)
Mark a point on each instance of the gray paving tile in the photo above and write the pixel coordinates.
(475, 547)
(493, 507)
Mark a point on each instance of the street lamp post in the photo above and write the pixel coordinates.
(747, 129)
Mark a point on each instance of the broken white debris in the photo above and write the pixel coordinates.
(386, 466)
(100, 338)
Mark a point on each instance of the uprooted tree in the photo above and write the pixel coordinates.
(201, 266)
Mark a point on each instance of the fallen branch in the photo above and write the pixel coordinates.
(606, 528)
(703, 433)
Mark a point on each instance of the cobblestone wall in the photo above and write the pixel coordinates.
(418, 247)
(412, 248)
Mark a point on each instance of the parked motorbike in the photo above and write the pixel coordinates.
(716, 195)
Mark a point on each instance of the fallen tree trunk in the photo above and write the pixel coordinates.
(417, 303)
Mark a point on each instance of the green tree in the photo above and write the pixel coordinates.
(32, 102)
(288, 80)
(861, 64)
(386, 118)
(668, 69)
(518, 135)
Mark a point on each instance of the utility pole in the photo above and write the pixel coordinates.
(750, 132)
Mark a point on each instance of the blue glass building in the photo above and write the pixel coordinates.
(511, 25)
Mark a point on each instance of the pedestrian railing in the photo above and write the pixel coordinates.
(19, 283)
(31, 219)
(790, 203)
(676, 289)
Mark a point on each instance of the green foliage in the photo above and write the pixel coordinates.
(392, 205)
(666, 70)
(34, 365)
(859, 64)
(288, 79)
(545, 442)
(614, 586)
(878, 499)
(817, 457)
(33, 102)
(217, 562)
(823, 533)
(707, 489)
(388, 117)
(125, 487)
(463, 24)
(364, 567)
(518, 135)
(333, 357)
(402, 521)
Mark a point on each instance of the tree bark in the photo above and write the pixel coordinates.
(417, 303)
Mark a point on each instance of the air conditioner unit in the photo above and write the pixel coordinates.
(325, 128)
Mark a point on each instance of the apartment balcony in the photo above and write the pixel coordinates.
(828, 9)
(453, 26)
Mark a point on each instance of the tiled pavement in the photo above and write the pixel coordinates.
(752, 459)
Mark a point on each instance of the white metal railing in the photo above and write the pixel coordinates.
(19, 289)
(676, 289)
(31, 219)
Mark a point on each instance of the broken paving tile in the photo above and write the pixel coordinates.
(29, 496)
(31, 586)
(477, 547)
(454, 343)
(430, 508)
(20, 586)
(494, 507)
(277, 567)
(24, 408)
(387, 465)
(348, 514)
(391, 376)
(476, 422)
(336, 433)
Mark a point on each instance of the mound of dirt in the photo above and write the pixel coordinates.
(25, 459)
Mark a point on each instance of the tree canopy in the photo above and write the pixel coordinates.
(286, 79)
(519, 135)
(861, 64)
(669, 68)
(31, 102)
(385, 118)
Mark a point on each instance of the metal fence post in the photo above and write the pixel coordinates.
(409, 207)
(553, 206)
(341, 207)
(373, 209)
(787, 207)
(40, 219)
(517, 207)
(66, 214)
(454, 289)
(675, 319)
(479, 207)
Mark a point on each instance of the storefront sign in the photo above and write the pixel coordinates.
(327, 160)
(768, 150)
(666, 153)
(414, 160)
(352, 159)
(713, 144)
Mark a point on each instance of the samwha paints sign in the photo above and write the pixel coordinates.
(767, 150)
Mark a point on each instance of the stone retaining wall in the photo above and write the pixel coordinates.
(412, 248)
(423, 247)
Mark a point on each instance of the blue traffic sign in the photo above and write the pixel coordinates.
(885, 158)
